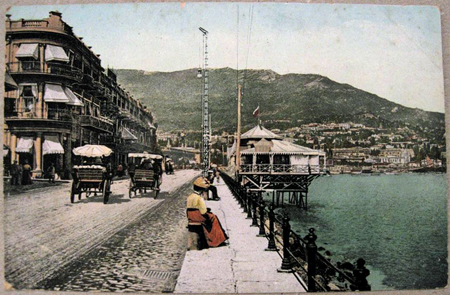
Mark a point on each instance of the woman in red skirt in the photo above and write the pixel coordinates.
(198, 213)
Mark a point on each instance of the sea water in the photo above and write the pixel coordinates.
(397, 223)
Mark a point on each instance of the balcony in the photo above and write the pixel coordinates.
(26, 120)
(274, 169)
(37, 24)
(34, 67)
(97, 124)
(25, 113)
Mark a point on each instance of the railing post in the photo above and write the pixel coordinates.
(255, 204)
(262, 208)
(311, 254)
(271, 246)
(361, 273)
(249, 206)
(286, 265)
(239, 193)
(244, 200)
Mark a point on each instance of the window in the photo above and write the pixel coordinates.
(29, 93)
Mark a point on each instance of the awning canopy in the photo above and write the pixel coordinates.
(10, 84)
(145, 155)
(126, 134)
(52, 145)
(55, 93)
(28, 50)
(24, 145)
(55, 53)
(74, 100)
(259, 132)
(280, 147)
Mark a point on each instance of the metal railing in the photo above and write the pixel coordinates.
(299, 255)
(282, 168)
(47, 68)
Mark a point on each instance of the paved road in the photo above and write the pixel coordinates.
(125, 244)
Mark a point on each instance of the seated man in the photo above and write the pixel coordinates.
(212, 188)
(197, 213)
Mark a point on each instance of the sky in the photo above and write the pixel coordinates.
(392, 51)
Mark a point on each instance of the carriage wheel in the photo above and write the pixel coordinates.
(106, 192)
(72, 192)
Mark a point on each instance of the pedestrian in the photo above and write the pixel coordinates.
(120, 170)
(132, 170)
(51, 171)
(198, 213)
(26, 173)
(15, 173)
(216, 172)
(109, 171)
(157, 169)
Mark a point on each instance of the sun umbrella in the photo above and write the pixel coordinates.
(91, 150)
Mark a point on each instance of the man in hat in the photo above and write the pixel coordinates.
(212, 188)
(198, 213)
(15, 173)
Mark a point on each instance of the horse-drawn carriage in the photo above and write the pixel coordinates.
(148, 173)
(92, 176)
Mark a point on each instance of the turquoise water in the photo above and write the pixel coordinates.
(397, 223)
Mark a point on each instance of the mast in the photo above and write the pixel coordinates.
(205, 107)
(238, 139)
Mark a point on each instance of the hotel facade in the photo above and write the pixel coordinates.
(64, 99)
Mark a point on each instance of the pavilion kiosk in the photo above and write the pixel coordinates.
(272, 165)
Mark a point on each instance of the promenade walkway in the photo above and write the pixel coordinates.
(240, 267)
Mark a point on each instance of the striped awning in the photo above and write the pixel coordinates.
(74, 100)
(55, 53)
(28, 50)
(126, 134)
(52, 145)
(10, 84)
(24, 145)
(55, 93)
(279, 147)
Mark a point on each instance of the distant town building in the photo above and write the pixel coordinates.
(396, 156)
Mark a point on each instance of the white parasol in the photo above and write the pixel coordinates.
(92, 151)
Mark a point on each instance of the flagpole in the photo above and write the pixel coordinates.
(238, 140)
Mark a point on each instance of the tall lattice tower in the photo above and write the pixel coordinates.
(206, 124)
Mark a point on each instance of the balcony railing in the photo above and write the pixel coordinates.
(48, 68)
(96, 123)
(282, 169)
(26, 113)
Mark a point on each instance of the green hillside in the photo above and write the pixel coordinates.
(285, 100)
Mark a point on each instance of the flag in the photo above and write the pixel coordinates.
(256, 112)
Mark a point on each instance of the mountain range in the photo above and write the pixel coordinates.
(285, 100)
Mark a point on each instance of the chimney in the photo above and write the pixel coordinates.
(55, 13)
(54, 20)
